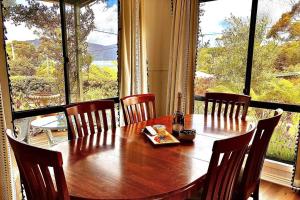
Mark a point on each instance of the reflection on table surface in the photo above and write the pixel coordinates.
(125, 164)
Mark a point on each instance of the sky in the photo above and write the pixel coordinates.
(212, 22)
(106, 19)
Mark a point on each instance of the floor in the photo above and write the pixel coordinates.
(271, 191)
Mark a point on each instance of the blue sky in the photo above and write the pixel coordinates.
(110, 3)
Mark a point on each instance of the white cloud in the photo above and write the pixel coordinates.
(19, 32)
(216, 12)
(106, 20)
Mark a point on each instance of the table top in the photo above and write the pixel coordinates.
(124, 164)
(54, 122)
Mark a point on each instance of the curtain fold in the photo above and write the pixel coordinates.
(5, 157)
(183, 50)
(132, 51)
(7, 182)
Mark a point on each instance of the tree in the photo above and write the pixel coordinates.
(24, 58)
(45, 20)
(288, 23)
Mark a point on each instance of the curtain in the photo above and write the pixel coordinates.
(132, 51)
(183, 48)
(5, 165)
(7, 183)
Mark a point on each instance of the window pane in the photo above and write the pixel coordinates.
(42, 131)
(35, 50)
(92, 45)
(222, 48)
(282, 144)
(276, 66)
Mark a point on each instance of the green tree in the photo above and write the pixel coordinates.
(46, 22)
(288, 23)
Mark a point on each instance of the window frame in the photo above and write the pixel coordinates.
(248, 74)
(60, 108)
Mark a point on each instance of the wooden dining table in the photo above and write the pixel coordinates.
(124, 164)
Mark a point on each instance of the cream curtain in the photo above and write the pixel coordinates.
(5, 165)
(183, 48)
(132, 61)
(7, 183)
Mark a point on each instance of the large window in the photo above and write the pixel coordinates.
(253, 48)
(34, 47)
(223, 44)
(92, 39)
(59, 53)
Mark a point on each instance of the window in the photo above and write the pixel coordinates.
(93, 35)
(223, 43)
(272, 78)
(59, 54)
(276, 60)
(35, 52)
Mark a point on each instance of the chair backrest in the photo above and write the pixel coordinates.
(35, 166)
(257, 152)
(232, 105)
(224, 167)
(90, 117)
(138, 108)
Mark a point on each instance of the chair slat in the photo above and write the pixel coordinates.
(238, 108)
(143, 112)
(104, 120)
(98, 121)
(91, 122)
(220, 108)
(84, 123)
(78, 125)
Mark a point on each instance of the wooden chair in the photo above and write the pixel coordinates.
(138, 108)
(232, 105)
(224, 167)
(90, 117)
(34, 164)
(250, 179)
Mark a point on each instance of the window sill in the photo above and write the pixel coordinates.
(277, 172)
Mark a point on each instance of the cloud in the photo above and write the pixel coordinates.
(19, 32)
(106, 20)
(215, 12)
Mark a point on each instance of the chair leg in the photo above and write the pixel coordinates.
(256, 192)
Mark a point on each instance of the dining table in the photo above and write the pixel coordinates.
(124, 164)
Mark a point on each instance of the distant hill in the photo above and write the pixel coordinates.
(99, 52)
